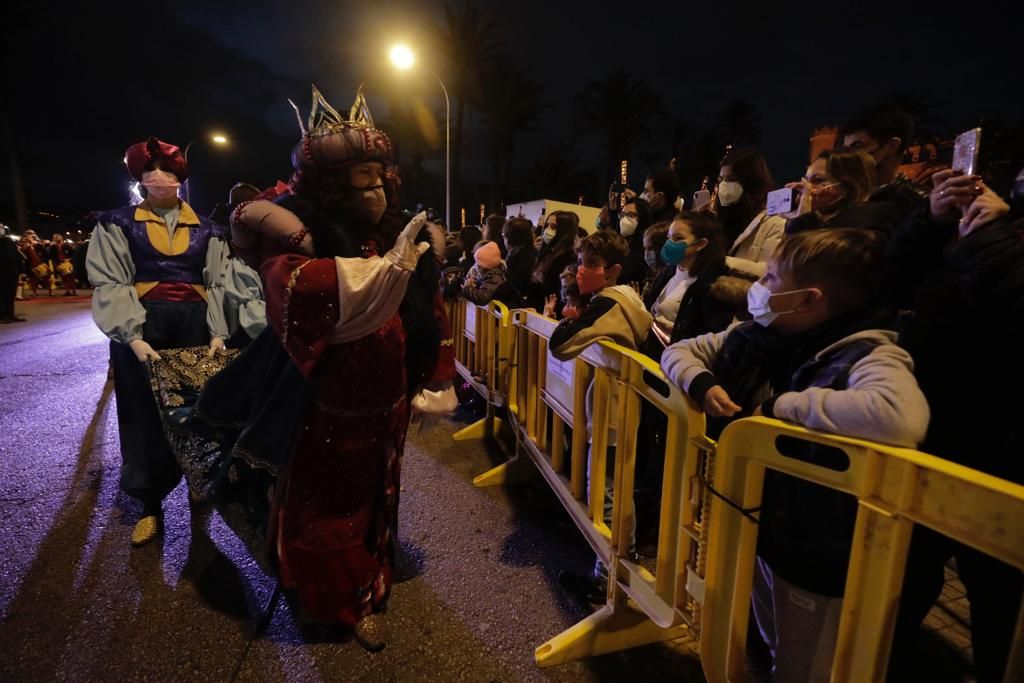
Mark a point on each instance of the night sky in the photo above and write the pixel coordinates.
(84, 80)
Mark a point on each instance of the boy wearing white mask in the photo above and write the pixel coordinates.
(813, 354)
(162, 276)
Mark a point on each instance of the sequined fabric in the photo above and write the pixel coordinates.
(339, 510)
(176, 379)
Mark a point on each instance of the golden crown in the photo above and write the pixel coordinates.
(325, 119)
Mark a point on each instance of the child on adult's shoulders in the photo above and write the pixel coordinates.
(486, 276)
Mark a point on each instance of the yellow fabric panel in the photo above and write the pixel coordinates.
(158, 238)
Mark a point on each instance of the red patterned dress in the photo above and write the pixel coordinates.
(337, 510)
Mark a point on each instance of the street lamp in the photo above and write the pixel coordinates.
(217, 139)
(403, 58)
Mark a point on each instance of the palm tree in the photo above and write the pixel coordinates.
(928, 123)
(469, 42)
(510, 102)
(619, 109)
(736, 121)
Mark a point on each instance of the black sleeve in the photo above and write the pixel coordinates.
(915, 251)
(991, 262)
(570, 327)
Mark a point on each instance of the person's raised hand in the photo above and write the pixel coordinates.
(550, 302)
(986, 207)
(951, 193)
(718, 404)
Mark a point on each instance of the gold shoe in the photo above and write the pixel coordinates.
(372, 632)
(145, 530)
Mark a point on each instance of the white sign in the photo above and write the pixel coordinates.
(559, 382)
(470, 321)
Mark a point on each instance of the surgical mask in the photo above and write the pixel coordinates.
(160, 184)
(627, 226)
(589, 280)
(729, 192)
(651, 258)
(673, 253)
(825, 196)
(646, 197)
(759, 304)
(549, 235)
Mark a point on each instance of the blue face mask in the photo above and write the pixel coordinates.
(673, 253)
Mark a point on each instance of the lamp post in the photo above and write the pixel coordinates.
(216, 139)
(403, 58)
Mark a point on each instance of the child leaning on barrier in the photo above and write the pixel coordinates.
(615, 313)
(814, 354)
(486, 276)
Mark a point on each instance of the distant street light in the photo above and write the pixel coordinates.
(403, 58)
(217, 139)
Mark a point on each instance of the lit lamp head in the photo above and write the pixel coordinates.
(402, 57)
(219, 139)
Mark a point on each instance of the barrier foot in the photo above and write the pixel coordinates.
(602, 632)
(515, 471)
(478, 430)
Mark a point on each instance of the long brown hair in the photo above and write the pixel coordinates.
(566, 223)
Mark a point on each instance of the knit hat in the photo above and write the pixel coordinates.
(487, 255)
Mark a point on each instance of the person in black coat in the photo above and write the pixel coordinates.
(693, 294)
(556, 253)
(963, 271)
(10, 268)
(520, 260)
(633, 222)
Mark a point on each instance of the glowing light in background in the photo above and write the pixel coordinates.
(219, 139)
(402, 57)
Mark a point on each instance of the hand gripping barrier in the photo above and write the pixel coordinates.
(895, 488)
(548, 408)
(483, 338)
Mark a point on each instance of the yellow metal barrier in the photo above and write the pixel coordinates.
(483, 338)
(547, 401)
(895, 488)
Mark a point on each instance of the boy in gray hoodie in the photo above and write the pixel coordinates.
(814, 355)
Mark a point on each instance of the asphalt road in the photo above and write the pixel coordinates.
(477, 589)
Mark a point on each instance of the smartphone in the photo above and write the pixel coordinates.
(701, 198)
(782, 201)
(965, 151)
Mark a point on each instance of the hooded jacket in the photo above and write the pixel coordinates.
(616, 314)
(861, 385)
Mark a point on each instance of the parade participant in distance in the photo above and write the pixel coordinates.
(160, 274)
(314, 414)
(60, 257)
(35, 261)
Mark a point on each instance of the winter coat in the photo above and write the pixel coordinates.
(709, 305)
(860, 385)
(481, 284)
(749, 254)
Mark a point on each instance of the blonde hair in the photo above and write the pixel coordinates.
(844, 262)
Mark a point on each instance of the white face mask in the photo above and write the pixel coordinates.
(759, 304)
(627, 226)
(160, 184)
(646, 197)
(729, 192)
(651, 257)
(549, 235)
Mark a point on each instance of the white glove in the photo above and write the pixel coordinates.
(143, 351)
(443, 402)
(216, 344)
(406, 252)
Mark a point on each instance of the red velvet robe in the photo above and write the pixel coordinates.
(339, 504)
